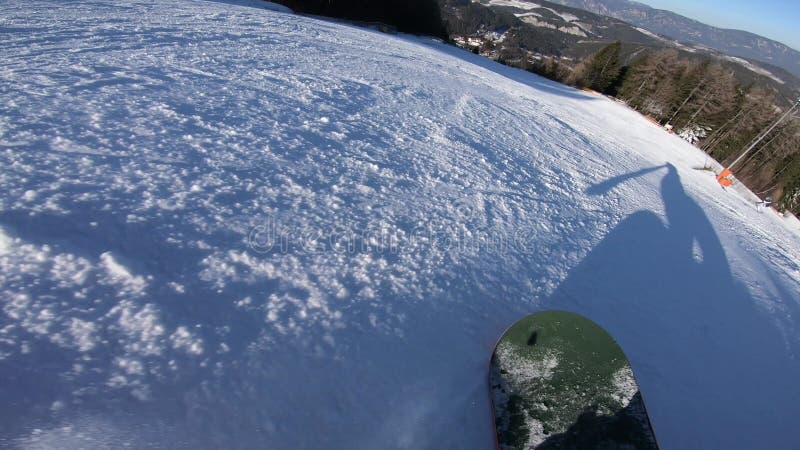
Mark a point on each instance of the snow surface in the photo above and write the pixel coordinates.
(224, 226)
(753, 68)
(519, 4)
(566, 16)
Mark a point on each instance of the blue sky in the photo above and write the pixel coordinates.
(775, 19)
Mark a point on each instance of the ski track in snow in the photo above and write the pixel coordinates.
(227, 226)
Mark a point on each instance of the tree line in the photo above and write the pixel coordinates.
(410, 16)
(704, 99)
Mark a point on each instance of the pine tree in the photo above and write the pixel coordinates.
(413, 16)
(650, 84)
(756, 110)
(602, 71)
(716, 98)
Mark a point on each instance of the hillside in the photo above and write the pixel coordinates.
(226, 226)
(732, 42)
(573, 34)
(708, 96)
(543, 27)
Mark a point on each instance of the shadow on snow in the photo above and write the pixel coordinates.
(713, 367)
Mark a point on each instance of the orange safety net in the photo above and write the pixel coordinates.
(723, 179)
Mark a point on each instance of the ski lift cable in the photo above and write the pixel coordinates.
(722, 178)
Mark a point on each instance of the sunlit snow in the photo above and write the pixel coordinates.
(225, 226)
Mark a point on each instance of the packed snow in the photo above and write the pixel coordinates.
(226, 226)
(522, 371)
(519, 4)
(531, 19)
(624, 386)
(753, 68)
(566, 16)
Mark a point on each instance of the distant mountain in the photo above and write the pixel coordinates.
(570, 33)
(582, 25)
(732, 42)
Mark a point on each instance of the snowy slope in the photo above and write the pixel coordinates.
(227, 226)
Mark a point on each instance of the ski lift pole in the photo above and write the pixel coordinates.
(722, 178)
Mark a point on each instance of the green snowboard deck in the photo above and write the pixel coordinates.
(559, 381)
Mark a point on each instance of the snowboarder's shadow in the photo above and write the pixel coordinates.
(694, 335)
(595, 429)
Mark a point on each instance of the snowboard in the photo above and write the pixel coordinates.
(559, 381)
